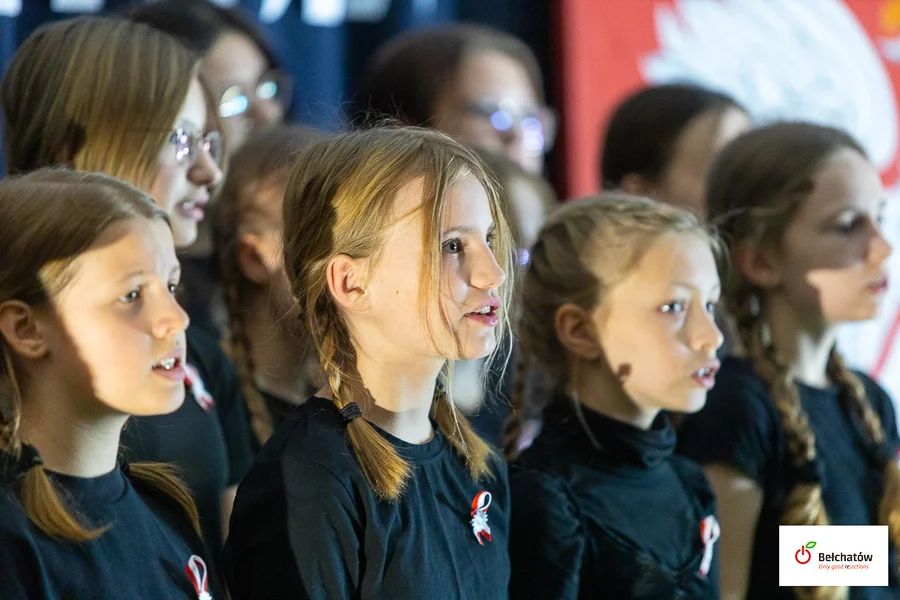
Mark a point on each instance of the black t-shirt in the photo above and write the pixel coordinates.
(740, 427)
(279, 408)
(144, 554)
(306, 524)
(624, 521)
(208, 437)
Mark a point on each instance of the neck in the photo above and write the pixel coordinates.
(402, 395)
(274, 350)
(73, 436)
(597, 388)
(804, 343)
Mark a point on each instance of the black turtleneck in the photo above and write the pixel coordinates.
(622, 520)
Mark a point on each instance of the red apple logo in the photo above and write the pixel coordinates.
(803, 555)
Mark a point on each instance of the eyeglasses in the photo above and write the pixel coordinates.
(188, 145)
(537, 124)
(274, 85)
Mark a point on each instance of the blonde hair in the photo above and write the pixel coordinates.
(47, 219)
(339, 201)
(264, 160)
(612, 230)
(94, 94)
(756, 187)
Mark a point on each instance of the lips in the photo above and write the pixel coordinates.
(486, 314)
(193, 208)
(705, 376)
(879, 286)
(170, 366)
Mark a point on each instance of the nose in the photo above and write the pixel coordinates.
(205, 172)
(879, 248)
(706, 336)
(171, 320)
(486, 273)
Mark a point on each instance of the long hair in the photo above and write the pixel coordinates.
(47, 219)
(94, 94)
(756, 186)
(339, 201)
(612, 230)
(264, 162)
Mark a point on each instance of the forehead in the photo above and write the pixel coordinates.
(126, 247)
(846, 180)
(493, 74)
(193, 111)
(234, 58)
(707, 133)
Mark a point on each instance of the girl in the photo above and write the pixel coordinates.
(790, 436)
(617, 310)
(120, 98)
(661, 140)
(482, 86)
(397, 252)
(274, 362)
(92, 286)
(250, 90)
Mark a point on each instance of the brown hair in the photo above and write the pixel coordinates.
(94, 94)
(408, 73)
(610, 229)
(756, 186)
(263, 161)
(339, 201)
(47, 219)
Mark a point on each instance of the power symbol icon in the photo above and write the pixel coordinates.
(803, 556)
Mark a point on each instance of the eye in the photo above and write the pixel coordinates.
(132, 296)
(711, 307)
(173, 288)
(676, 306)
(491, 238)
(848, 224)
(452, 246)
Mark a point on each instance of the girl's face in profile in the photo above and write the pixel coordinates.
(470, 278)
(656, 327)
(116, 328)
(187, 169)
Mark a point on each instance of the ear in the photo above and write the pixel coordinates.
(759, 266)
(636, 184)
(345, 277)
(250, 259)
(21, 330)
(575, 331)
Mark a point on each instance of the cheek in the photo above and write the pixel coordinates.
(165, 187)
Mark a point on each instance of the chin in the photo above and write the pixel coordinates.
(184, 232)
(691, 404)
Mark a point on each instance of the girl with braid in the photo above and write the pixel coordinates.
(90, 333)
(275, 364)
(398, 256)
(789, 435)
(617, 311)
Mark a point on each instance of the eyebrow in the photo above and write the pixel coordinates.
(465, 230)
(174, 271)
(691, 286)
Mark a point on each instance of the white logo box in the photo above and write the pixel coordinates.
(854, 555)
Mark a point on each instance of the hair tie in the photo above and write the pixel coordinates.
(351, 411)
(29, 457)
(811, 472)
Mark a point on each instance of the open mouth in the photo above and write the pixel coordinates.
(486, 314)
(192, 209)
(879, 286)
(706, 376)
(169, 367)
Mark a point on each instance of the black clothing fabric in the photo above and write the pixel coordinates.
(208, 437)
(741, 427)
(618, 520)
(143, 554)
(306, 523)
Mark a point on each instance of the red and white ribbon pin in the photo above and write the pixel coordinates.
(480, 526)
(195, 382)
(197, 573)
(709, 534)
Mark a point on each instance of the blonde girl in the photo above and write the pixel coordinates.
(398, 256)
(617, 311)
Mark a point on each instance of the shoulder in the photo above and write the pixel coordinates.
(16, 529)
(540, 492)
(309, 446)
